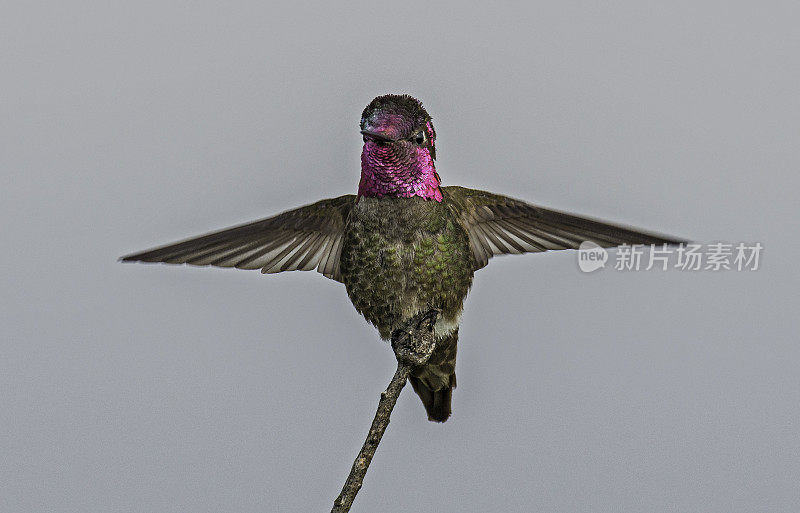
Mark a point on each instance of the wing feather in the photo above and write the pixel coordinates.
(305, 238)
(499, 225)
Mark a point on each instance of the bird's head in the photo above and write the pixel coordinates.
(399, 149)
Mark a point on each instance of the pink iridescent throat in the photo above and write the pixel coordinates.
(399, 172)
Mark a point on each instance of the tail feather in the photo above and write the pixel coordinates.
(435, 381)
(437, 402)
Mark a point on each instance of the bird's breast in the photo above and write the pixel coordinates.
(403, 255)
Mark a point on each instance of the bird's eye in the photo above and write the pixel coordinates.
(420, 138)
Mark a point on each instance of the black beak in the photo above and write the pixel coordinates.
(375, 136)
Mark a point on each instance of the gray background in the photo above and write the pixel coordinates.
(153, 388)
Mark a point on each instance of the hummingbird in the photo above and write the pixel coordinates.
(404, 244)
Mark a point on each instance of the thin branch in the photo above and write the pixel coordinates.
(412, 344)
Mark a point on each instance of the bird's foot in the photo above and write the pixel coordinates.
(413, 343)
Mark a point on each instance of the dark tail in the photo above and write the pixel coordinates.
(435, 381)
(437, 402)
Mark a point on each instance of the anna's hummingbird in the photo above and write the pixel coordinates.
(404, 244)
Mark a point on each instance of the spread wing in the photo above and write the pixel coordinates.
(303, 239)
(499, 225)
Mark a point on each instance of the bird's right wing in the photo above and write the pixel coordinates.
(303, 239)
(501, 225)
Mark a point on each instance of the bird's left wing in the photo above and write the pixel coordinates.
(500, 225)
(303, 239)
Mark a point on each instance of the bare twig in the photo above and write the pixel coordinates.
(412, 345)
